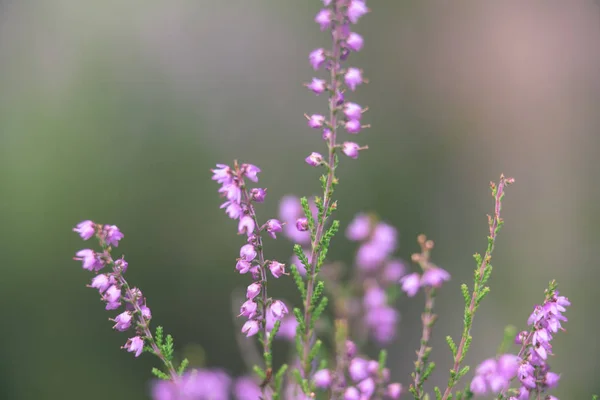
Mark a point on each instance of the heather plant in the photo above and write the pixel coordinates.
(330, 338)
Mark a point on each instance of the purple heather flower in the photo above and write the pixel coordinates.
(354, 41)
(146, 313)
(316, 121)
(112, 235)
(353, 126)
(135, 345)
(360, 228)
(253, 290)
(288, 327)
(251, 172)
(90, 260)
(367, 387)
(290, 208)
(478, 385)
(278, 309)
(255, 272)
(326, 134)
(353, 111)
(277, 269)
(358, 369)
(551, 379)
(323, 18)
(410, 284)
(248, 252)
(122, 265)
(302, 224)
(353, 78)
(250, 328)
(350, 349)
(232, 192)
(243, 266)
(314, 159)
(374, 297)
(508, 365)
(222, 174)
(246, 225)
(317, 58)
(248, 309)
(318, 86)
(232, 209)
(434, 277)
(323, 379)
(123, 321)
(369, 256)
(394, 390)
(393, 271)
(386, 237)
(273, 226)
(102, 282)
(112, 294)
(382, 322)
(246, 388)
(351, 149)
(352, 393)
(258, 194)
(356, 9)
(86, 229)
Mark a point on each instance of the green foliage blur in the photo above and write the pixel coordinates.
(116, 111)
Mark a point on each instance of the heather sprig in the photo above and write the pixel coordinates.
(264, 314)
(337, 18)
(114, 290)
(480, 290)
(432, 279)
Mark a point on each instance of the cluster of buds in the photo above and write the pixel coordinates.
(337, 16)
(240, 206)
(111, 285)
(362, 380)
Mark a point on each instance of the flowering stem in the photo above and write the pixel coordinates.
(331, 180)
(422, 368)
(479, 289)
(144, 325)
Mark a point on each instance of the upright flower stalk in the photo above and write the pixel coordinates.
(472, 300)
(336, 17)
(263, 314)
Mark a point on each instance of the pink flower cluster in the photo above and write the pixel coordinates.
(111, 285)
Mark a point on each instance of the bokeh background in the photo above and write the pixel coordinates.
(116, 111)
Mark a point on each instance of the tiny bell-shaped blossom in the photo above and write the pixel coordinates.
(123, 321)
(122, 265)
(356, 9)
(353, 78)
(410, 284)
(278, 309)
(277, 269)
(358, 369)
(351, 149)
(354, 41)
(251, 172)
(246, 225)
(273, 226)
(323, 379)
(232, 192)
(316, 121)
(255, 272)
(318, 86)
(323, 18)
(232, 209)
(101, 282)
(89, 259)
(434, 277)
(367, 387)
(222, 174)
(352, 393)
(326, 134)
(112, 235)
(253, 290)
(360, 228)
(146, 313)
(86, 229)
(314, 159)
(250, 328)
(135, 345)
(247, 252)
(258, 195)
(353, 126)
(394, 390)
(353, 111)
(248, 309)
(243, 266)
(302, 224)
(317, 58)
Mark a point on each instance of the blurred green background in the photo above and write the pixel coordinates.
(116, 110)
